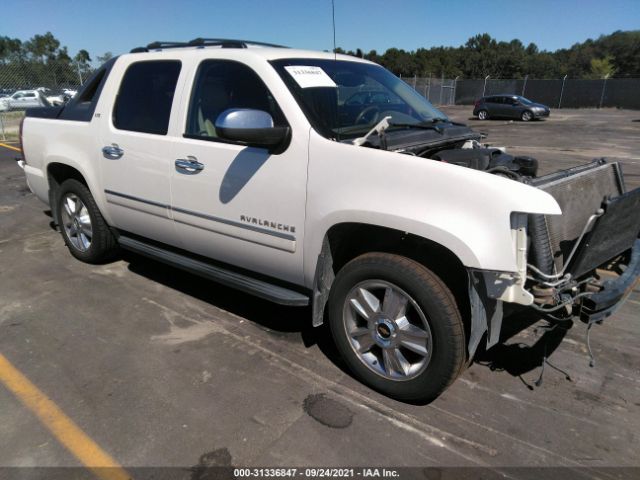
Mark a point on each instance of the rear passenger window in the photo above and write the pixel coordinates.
(145, 97)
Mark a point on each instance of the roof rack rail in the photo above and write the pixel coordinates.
(158, 45)
(232, 43)
(204, 42)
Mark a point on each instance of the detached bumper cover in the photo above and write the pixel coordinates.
(602, 304)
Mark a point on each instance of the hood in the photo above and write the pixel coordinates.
(540, 105)
(410, 138)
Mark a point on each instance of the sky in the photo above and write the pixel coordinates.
(119, 25)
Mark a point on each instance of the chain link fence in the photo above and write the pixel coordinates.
(58, 81)
(555, 93)
(27, 84)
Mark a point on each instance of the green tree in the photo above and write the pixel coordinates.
(602, 67)
(82, 57)
(42, 47)
(10, 49)
(104, 58)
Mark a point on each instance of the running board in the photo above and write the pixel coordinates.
(259, 288)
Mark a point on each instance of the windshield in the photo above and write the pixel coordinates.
(344, 99)
(525, 101)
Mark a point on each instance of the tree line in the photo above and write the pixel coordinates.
(617, 54)
(42, 60)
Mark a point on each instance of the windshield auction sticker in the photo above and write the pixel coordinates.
(308, 76)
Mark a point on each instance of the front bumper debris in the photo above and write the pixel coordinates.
(614, 292)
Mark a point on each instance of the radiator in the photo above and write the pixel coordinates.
(580, 192)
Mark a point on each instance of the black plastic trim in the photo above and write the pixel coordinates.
(137, 199)
(259, 288)
(82, 111)
(193, 213)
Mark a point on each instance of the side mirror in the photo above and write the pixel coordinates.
(250, 127)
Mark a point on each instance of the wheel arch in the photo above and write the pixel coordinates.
(58, 170)
(57, 173)
(346, 241)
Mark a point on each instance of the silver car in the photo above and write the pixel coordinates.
(24, 99)
(509, 106)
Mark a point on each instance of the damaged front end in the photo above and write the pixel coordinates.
(583, 263)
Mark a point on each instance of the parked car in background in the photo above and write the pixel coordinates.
(509, 106)
(24, 99)
(70, 92)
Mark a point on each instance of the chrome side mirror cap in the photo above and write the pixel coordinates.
(250, 127)
(243, 118)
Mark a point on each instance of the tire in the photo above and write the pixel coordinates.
(84, 231)
(526, 116)
(483, 115)
(430, 324)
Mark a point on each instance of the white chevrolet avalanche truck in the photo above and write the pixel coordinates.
(309, 178)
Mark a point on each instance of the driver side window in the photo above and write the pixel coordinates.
(221, 85)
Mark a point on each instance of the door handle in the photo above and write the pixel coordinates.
(189, 166)
(112, 152)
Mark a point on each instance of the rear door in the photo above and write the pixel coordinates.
(137, 147)
(498, 106)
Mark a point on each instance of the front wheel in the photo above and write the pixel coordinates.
(397, 326)
(526, 116)
(483, 115)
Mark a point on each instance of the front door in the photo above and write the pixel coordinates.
(136, 148)
(240, 205)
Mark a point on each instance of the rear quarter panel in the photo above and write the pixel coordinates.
(72, 143)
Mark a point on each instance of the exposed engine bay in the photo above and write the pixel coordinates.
(448, 142)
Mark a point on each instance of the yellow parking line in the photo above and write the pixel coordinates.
(61, 426)
(10, 147)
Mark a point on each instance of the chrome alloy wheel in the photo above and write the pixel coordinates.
(387, 330)
(483, 115)
(76, 222)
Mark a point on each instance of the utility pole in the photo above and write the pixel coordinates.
(79, 74)
(604, 85)
(455, 88)
(484, 89)
(562, 91)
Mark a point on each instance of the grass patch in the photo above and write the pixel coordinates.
(9, 137)
(14, 115)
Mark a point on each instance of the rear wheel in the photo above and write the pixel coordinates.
(82, 226)
(483, 115)
(397, 326)
(526, 116)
